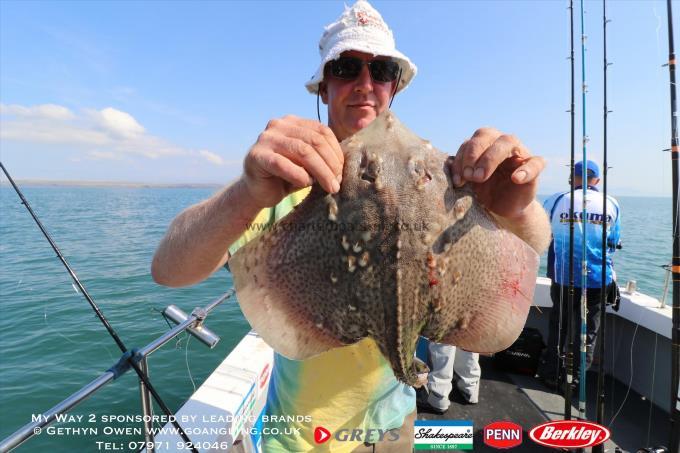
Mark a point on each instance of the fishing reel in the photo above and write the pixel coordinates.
(617, 246)
(659, 449)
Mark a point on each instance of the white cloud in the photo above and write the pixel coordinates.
(211, 157)
(112, 133)
(51, 132)
(44, 111)
(103, 155)
(117, 122)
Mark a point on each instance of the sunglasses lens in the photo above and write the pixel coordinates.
(384, 71)
(349, 68)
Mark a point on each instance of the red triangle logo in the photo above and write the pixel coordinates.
(321, 434)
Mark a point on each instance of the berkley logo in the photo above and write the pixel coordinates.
(502, 434)
(569, 434)
(321, 435)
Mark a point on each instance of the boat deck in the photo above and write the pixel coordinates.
(637, 349)
(526, 401)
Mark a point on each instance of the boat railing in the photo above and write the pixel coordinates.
(192, 323)
(666, 283)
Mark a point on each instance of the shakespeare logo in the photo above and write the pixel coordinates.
(443, 435)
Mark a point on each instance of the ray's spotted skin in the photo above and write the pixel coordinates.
(399, 252)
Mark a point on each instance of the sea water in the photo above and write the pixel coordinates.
(51, 343)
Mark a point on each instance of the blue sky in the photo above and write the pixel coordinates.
(177, 92)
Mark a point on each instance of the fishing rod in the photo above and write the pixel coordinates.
(674, 438)
(584, 264)
(569, 352)
(603, 287)
(675, 263)
(129, 358)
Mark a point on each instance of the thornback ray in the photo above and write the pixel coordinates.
(399, 252)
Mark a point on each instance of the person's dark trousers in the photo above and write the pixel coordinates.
(552, 362)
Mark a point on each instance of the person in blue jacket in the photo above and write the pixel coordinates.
(557, 207)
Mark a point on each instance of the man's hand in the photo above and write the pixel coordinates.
(504, 175)
(289, 154)
(502, 171)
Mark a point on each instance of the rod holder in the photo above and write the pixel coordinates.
(202, 333)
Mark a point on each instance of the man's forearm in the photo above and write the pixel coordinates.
(532, 226)
(196, 243)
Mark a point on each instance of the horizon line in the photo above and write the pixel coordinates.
(106, 183)
(138, 184)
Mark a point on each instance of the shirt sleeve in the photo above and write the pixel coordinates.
(267, 217)
(614, 238)
(263, 221)
(549, 203)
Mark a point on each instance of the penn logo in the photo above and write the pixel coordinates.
(569, 434)
(321, 435)
(502, 434)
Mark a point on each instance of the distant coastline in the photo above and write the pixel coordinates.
(152, 185)
(109, 184)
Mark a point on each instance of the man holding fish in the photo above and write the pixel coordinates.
(350, 387)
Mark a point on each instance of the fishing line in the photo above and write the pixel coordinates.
(50, 329)
(318, 114)
(186, 349)
(54, 330)
(396, 87)
(131, 359)
(178, 340)
(560, 319)
(630, 380)
(186, 360)
(651, 393)
(676, 224)
(658, 32)
(616, 347)
(677, 215)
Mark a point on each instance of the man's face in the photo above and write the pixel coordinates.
(353, 104)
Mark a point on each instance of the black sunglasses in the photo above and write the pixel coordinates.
(349, 68)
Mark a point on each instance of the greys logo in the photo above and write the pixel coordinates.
(389, 435)
(358, 435)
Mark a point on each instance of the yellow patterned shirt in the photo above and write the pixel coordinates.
(347, 388)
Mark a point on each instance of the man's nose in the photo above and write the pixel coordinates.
(364, 83)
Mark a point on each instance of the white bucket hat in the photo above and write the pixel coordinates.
(360, 28)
